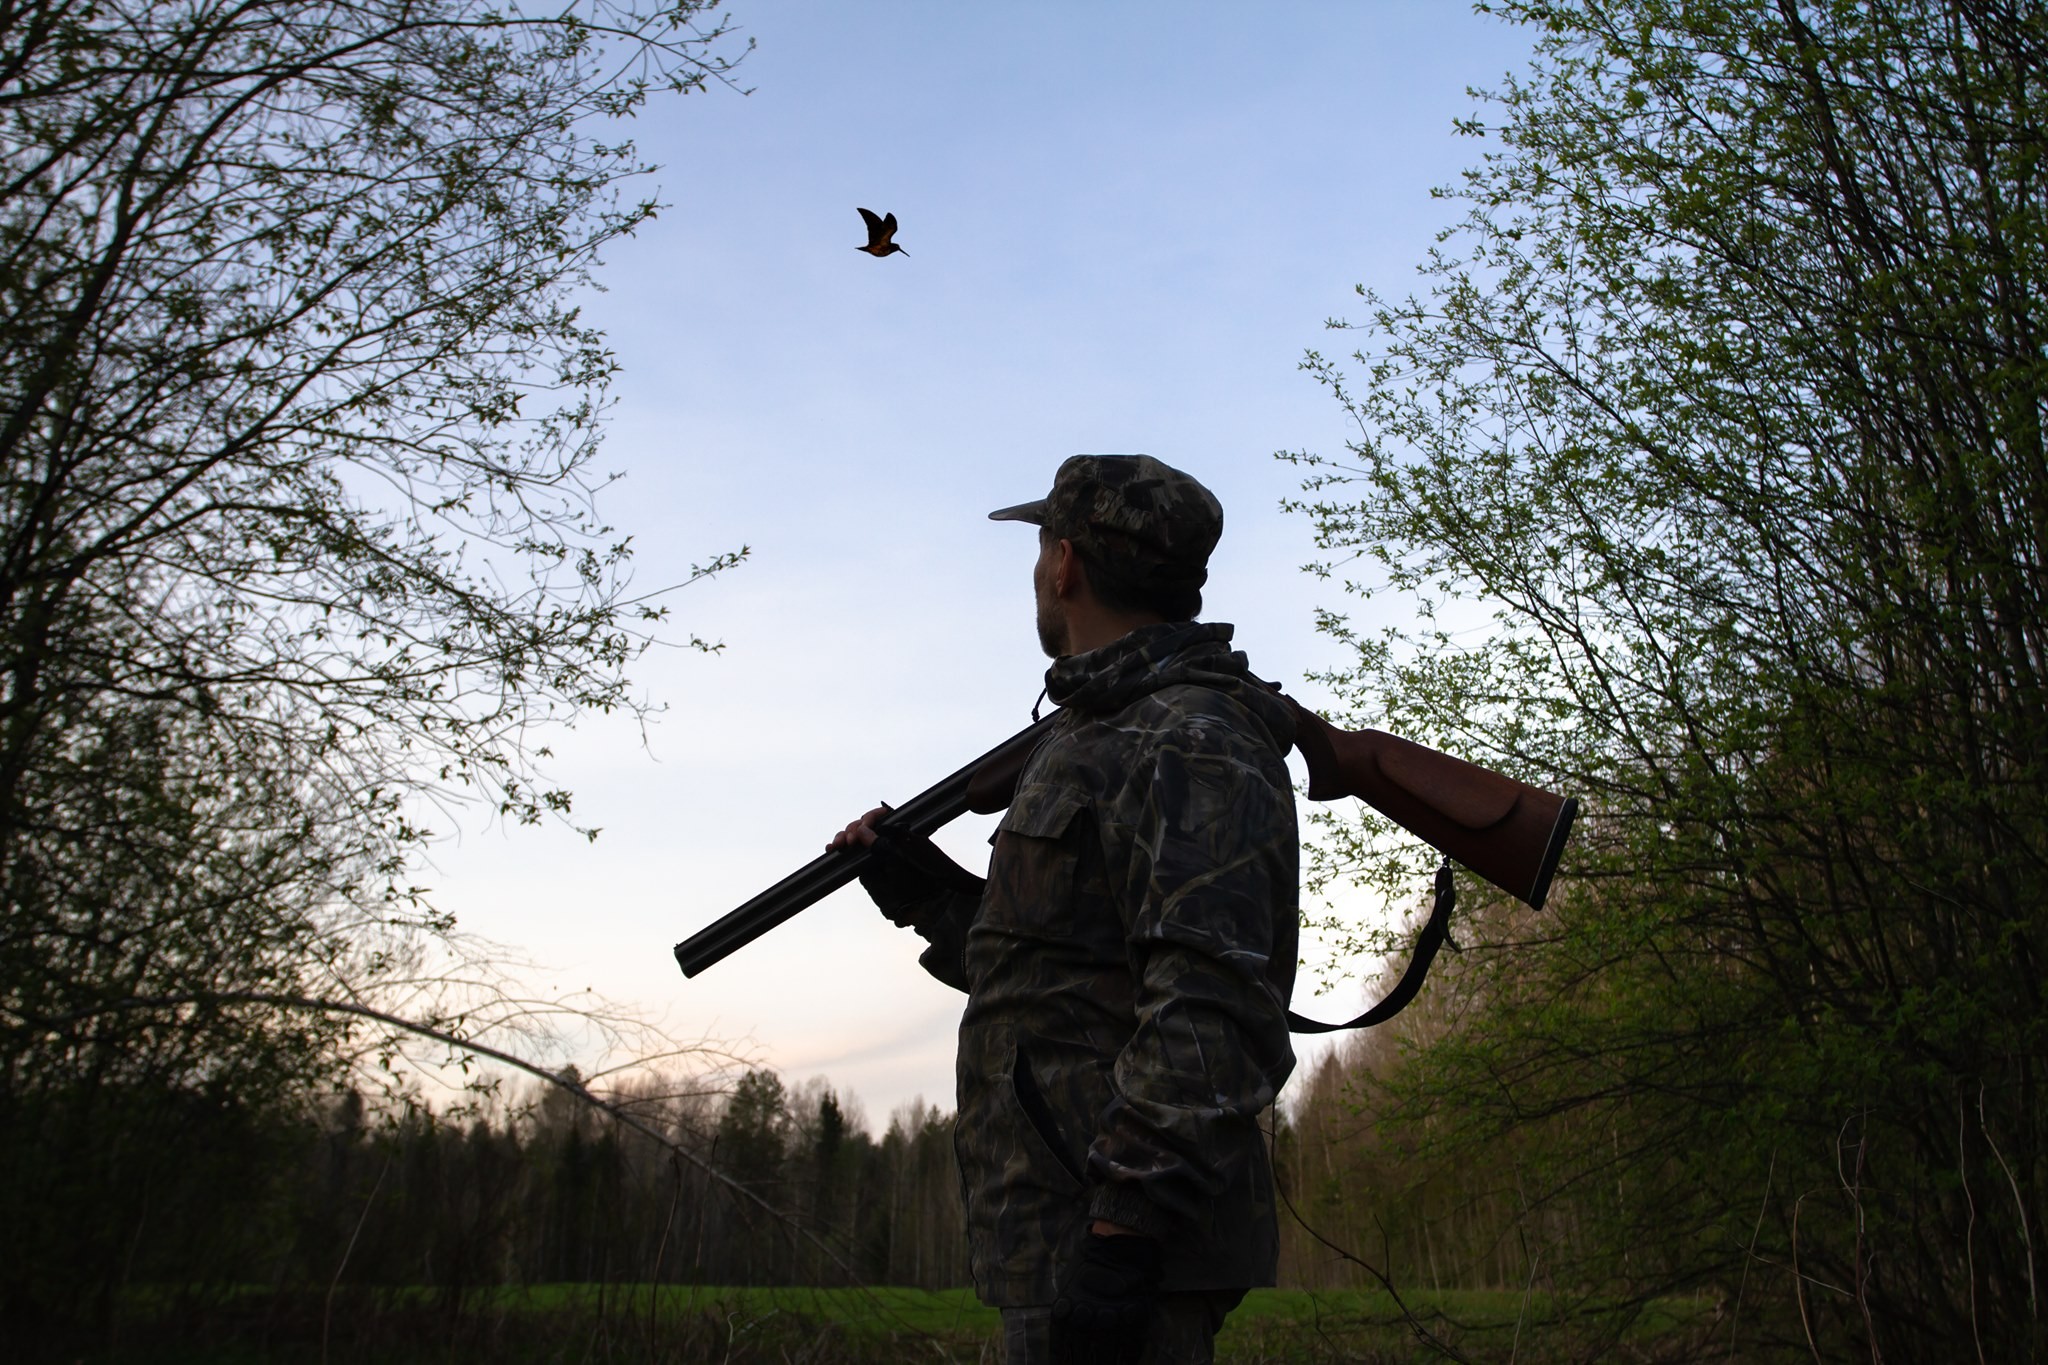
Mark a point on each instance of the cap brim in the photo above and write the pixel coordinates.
(1033, 512)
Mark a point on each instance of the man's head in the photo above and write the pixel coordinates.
(1142, 531)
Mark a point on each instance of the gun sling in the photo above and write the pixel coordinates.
(1435, 934)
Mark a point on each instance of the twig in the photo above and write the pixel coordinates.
(1799, 1284)
(660, 1248)
(1735, 1314)
(1529, 1289)
(1427, 1337)
(1854, 1189)
(1969, 1227)
(327, 1309)
(2026, 1237)
(1522, 1312)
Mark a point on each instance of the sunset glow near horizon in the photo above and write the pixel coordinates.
(1122, 227)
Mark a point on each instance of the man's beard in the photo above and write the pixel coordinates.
(1052, 630)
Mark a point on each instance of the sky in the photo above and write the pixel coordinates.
(1124, 224)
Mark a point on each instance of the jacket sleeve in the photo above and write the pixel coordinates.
(1209, 898)
(918, 887)
(945, 933)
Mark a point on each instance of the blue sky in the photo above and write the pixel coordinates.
(1124, 224)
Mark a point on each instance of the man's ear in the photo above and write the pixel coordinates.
(1068, 573)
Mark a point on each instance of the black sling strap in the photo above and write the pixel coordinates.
(1434, 935)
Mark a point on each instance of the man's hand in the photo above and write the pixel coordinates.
(859, 834)
(1102, 1309)
(905, 872)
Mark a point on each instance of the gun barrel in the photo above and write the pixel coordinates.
(789, 897)
(983, 786)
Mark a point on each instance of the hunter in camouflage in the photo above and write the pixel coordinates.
(1129, 960)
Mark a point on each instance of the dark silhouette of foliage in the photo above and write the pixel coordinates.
(298, 538)
(1711, 460)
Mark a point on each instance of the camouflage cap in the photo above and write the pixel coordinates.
(1132, 513)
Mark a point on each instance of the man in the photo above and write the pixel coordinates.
(1129, 959)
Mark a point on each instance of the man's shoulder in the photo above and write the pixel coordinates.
(1115, 755)
(1199, 718)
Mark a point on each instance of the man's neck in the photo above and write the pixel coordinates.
(1092, 629)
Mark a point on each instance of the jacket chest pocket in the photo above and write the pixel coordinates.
(1033, 873)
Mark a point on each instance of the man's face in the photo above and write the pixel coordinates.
(1052, 615)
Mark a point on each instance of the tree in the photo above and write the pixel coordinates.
(1722, 411)
(172, 883)
(753, 1147)
(297, 406)
(298, 528)
(754, 1130)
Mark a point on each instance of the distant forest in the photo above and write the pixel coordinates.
(757, 1184)
(762, 1186)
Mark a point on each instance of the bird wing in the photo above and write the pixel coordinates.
(877, 230)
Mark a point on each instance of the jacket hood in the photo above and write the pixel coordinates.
(1108, 679)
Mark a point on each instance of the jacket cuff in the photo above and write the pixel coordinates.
(1127, 1204)
(943, 960)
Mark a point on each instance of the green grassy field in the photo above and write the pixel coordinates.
(957, 1315)
(570, 1324)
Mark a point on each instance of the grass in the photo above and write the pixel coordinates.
(864, 1312)
(1271, 1324)
(581, 1324)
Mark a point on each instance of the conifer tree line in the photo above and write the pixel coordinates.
(751, 1183)
(559, 1193)
(826, 1202)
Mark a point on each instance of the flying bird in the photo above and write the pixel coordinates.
(880, 231)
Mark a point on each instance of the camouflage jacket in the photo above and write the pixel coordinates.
(1128, 968)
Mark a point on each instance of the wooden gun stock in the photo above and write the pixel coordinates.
(1506, 831)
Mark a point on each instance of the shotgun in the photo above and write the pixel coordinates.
(1508, 832)
(983, 786)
